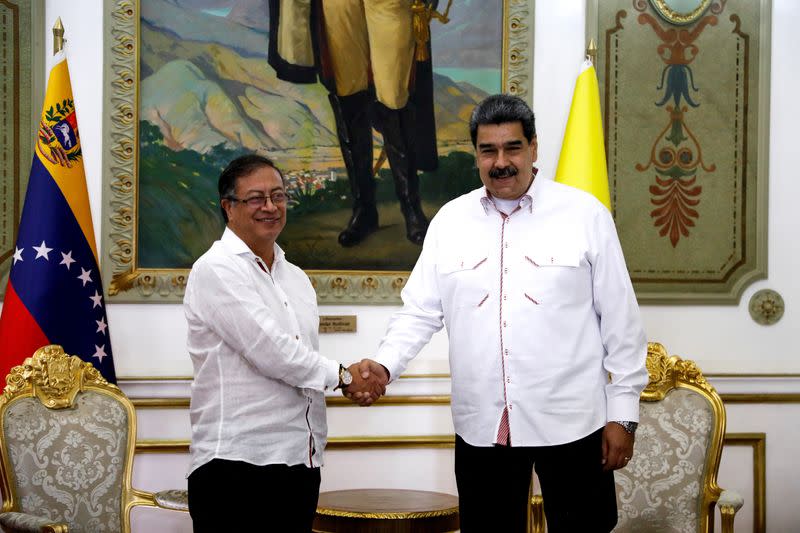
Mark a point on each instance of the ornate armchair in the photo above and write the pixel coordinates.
(670, 484)
(67, 440)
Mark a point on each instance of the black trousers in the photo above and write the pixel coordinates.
(493, 484)
(237, 496)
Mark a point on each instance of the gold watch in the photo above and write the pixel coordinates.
(345, 378)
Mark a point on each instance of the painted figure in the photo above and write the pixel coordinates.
(366, 53)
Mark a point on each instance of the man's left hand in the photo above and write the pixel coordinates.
(617, 446)
(369, 382)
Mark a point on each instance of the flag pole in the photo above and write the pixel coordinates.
(62, 230)
(58, 36)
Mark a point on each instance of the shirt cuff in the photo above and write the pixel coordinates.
(331, 373)
(622, 408)
(390, 359)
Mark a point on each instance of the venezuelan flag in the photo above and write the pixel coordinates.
(54, 293)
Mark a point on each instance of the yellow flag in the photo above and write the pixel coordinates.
(582, 163)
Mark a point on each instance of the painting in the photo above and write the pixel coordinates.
(685, 94)
(21, 92)
(190, 85)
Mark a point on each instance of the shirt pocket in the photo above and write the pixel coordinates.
(554, 276)
(464, 280)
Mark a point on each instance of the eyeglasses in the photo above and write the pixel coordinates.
(254, 202)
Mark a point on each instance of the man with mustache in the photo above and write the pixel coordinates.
(547, 350)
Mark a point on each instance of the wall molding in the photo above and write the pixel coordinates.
(435, 390)
(125, 379)
(757, 441)
(416, 400)
(761, 398)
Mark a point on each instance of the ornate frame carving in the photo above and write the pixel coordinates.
(676, 17)
(126, 280)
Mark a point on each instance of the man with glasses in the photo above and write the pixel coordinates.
(258, 406)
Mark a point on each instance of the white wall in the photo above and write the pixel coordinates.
(149, 339)
(722, 339)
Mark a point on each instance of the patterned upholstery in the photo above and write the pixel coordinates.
(68, 463)
(67, 449)
(670, 484)
(659, 489)
(177, 500)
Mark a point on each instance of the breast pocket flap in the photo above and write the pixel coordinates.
(462, 262)
(553, 258)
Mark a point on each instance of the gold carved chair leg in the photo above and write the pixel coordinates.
(536, 518)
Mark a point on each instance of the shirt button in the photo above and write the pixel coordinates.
(504, 323)
(505, 297)
(505, 271)
(508, 380)
(286, 304)
(506, 351)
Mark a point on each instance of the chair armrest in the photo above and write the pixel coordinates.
(729, 502)
(27, 523)
(174, 499)
(730, 498)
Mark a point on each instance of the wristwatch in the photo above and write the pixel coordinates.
(629, 427)
(345, 378)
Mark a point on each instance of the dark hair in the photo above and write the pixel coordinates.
(238, 168)
(501, 109)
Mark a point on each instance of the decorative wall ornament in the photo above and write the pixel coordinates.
(766, 307)
(681, 11)
(685, 88)
(158, 221)
(54, 377)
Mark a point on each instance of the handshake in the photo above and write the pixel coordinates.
(369, 382)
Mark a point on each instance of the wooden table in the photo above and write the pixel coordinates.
(386, 511)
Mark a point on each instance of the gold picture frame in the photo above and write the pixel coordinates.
(127, 280)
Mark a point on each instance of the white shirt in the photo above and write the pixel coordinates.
(539, 310)
(258, 377)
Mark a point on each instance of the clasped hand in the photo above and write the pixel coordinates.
(369, 382)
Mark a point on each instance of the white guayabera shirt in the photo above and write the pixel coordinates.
(257, 394)
(539, 310)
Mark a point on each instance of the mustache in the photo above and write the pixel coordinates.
(505, 172)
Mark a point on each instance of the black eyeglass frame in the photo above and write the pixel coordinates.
(256, 202)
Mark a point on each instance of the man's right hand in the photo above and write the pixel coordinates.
(369, 382)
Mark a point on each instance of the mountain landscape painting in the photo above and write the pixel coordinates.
(208, 95)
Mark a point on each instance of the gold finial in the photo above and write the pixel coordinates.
(58, 36)
(591, 51)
